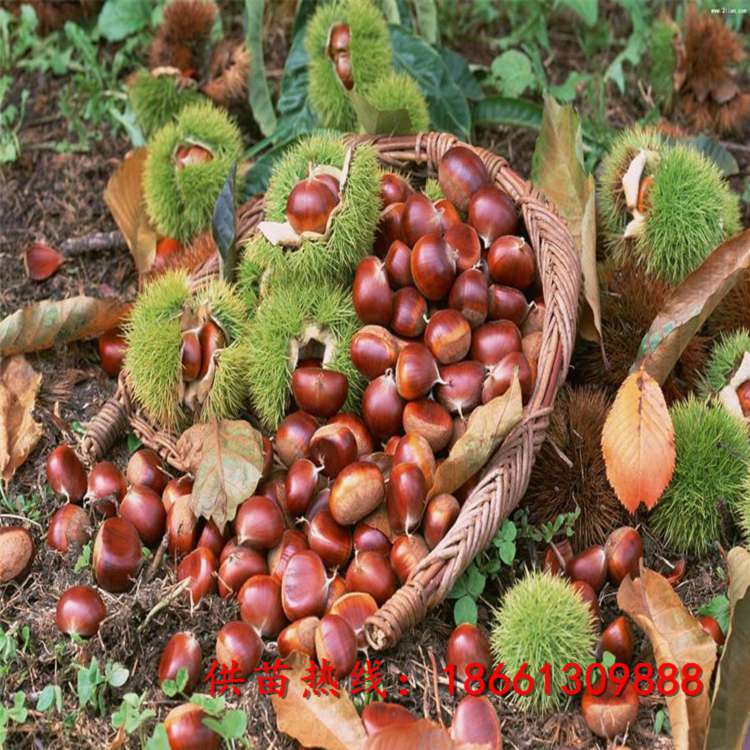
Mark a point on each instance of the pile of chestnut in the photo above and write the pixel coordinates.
(449, 304)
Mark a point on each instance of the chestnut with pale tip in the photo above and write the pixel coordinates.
(65, 474)
(609, 714)
(293, 436)
(492, 213)
(475, 723)
(309, 205)
(336, 644)
(182, 651)
(374, 351)
(298, 636)
(186, 730)
(117, 555)
(260, 605)
(461, 172)
(145, 467)
(383, 407)
(464, 241)
(371, 292)
(319, 391)
(433, 266)
(69, 528)
(80, 611)
(429, 419)
(237, 642)
(355, 608)
(407, 552)
(448, 336)
(199, 568)
(416, 372)
(333, 447)
(405, 499)
(373, 574)
(414, 449)
(304, 586)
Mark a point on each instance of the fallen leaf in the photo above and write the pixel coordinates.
(689, 306)
(19, 433)
(486, 428)
(729, 723)
(124, 198)
(676, 638)
(638, 442)
(559, 173)
(48, 323)
(323, 721)
(226, 458)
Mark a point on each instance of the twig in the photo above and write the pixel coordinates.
(92, 242)
(732, 146)
(162, 603)
(435, 691)
(156, 561)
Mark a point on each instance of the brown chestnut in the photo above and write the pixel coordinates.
(260, 605)
(389, 227)
(259, 522)
(398, 264)
(406, 553)
(211, 538)
(433, 266)
(145, 467)
(468, 295)
(176, 488)
(182, 527)
(406, 495)
(293, 436)
(492, 341)
(608, 714)
(65, 474)
(106, 482)
(507, 303)
(430, 420)
(181, 652)
(510, 261)
(186, 730)
(464, 241)
(617, 638)
(468, 644)
(712, 627)
(439, 515)
(383, 407)
(475, 723)
(144, 509)
(588, 595)
(309, 205)
(500, 377)
(112, 347)
(69, 528)
(461, 173)
(371, 292)
(355, 608)
(117, 555)
(623, 551)
(331, 540)
(80, 611)
(190, 356)
(448, 336)
(366, 537)
(304, 586)
(318, 391)
(238, 643)
(333, 447)
(199, 568)
(409, 312)
(414, 449)
(394, 189)
(241, 564)
(416, 372)
(372, 573)
(358, 429)
(336, 644)
(336, 589)
(492, 213)
(589, 566)
(299, 636)
(301, 484)
(374, 350)
(449, 216)
(420, 218)
(461, 389)
(358, 490)
(292, 542)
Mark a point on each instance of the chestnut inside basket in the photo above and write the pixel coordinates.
(505, 476)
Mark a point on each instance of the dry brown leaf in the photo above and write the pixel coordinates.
(729, 724)
(124, 198)
(638, 442)
(48, 323)
(676, 638)
(690, 304)
(327, 722)
(226, 458)
(558, 171)
(19, 433)
(486, 428)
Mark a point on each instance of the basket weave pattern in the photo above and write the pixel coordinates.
(505, 477)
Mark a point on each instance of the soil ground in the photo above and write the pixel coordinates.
(53, 196)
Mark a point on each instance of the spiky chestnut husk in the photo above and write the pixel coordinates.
(181, 38)
(724, 360)
(709, 484)
(289, 312)
(613, 211)
(157, 100)
(400, 91)
(370, 51)
(433, 190)
(352, 231)
(228, 73)
(180, 201)
(152, 360)
(691, 211)
(558, 486)
(630, 300)
(663, 60)
(542, 620)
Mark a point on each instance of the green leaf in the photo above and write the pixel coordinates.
(718, 608)
(427, 20)
(475, 581)
(181, 678)
(460, 588)
(50, 695)
(461, 73)
(19, 712)
(84, 558)
(449, 110)
(170, 689)
(501, 110)
(121, 18)
(608, 659)
(509, 530)
(375, 121)
(512, 73)
(715, 152)
(465, 610)
(223, 224)
(507, 551)
(231, 726)
(117, 674)
(212, 706)
(587, 10)
(159, 739)
(259, 94)
(567, 91)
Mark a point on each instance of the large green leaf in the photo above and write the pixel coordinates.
(500, 110)
(427, 20)
(223, 224)
(587, 10)
(449, 110)
(461, 74)
(121, 18)
(259, 94)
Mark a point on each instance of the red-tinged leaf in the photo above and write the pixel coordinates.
(638, 442)
(124, 198)
(49, 323)
(676, 638)
(322, 721)
(41, 261)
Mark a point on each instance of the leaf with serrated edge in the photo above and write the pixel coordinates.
(19, 433)
(324, 721)
(124, 198)
(638, 442)
(729, 723)
(226, 458)
(558, 171)
(48, 323)
(486, 428)
(676, 638)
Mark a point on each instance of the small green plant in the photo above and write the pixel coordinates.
(16, 713)
(11, 119)
(50, 698)
(718, 608)
(228, 723)
(661, 722)
(9, 645)
(176, 686)
(562, 525)
(92, 683)
(84, 558)
(131, 715)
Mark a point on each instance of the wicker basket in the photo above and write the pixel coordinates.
(506, 475)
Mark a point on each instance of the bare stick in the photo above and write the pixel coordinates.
(94, 242)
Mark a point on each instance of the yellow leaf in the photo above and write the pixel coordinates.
(676, 638)
(638, 442)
